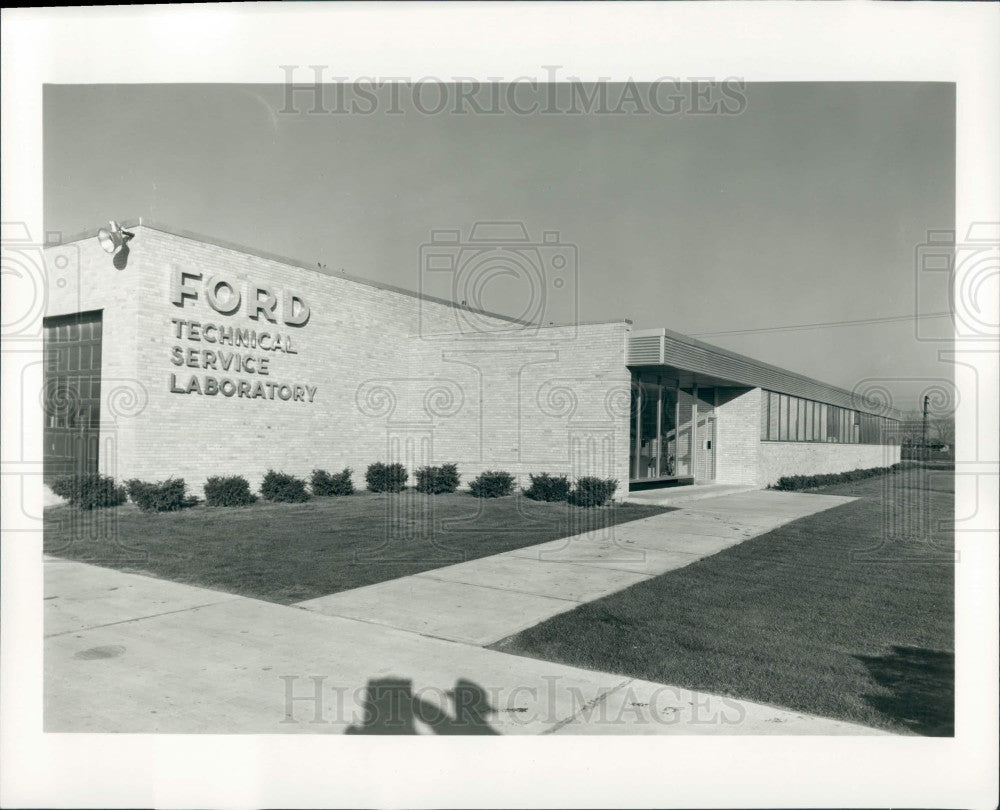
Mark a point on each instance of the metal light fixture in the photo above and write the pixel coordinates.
(113, 239)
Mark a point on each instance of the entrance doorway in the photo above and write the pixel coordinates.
(72, 369)
(705, 457)
(654, 434)
(672, 433)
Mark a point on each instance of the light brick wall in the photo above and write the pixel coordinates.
(396, 378)
(808, 458)
(391, 371)
(742, 458)
(555, 401)
(737, 428)
(81, 278)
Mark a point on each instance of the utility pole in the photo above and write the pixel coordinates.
(923, 443)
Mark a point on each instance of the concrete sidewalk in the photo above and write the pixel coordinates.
(485, 600)
(680, 495)
(128, 653)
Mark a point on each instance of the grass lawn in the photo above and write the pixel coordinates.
(289, 552)
(846, 614)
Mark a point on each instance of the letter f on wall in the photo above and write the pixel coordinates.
(178, 289)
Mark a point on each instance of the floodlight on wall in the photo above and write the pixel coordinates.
(113, 239)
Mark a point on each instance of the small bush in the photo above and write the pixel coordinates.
(233, 490)
(325, 484)
(386, 477)
(163, 496)
(283, 488)
(545, 487)
(90, 491)
(790, 483)
(436, 480)
(591, 491)
(492, 484)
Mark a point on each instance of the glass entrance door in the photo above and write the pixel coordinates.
(685, 433)
(647, 449)
(654, 431)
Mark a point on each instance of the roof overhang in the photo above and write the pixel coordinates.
(682, 359)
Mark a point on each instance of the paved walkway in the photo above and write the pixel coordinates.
(485, 600)
(680, 495)
(129, 653)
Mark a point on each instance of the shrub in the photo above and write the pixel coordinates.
(90, 491)
(592, 491)
(435, 480)
(323, 483)
(789, 483)
(233, 490)
(492, 484)
(163, 496)
(545, 487)
(386, 477)
(283, 488)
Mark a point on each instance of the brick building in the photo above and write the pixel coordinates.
(181, 356)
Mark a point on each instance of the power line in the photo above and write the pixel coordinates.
(823, 325)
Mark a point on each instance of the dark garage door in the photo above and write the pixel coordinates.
(72, 356)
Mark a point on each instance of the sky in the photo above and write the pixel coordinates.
(803, 203)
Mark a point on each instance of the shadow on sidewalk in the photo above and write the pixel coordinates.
(391, 707)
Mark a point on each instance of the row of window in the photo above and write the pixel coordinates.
(73, 331)
(76, 417)
(73, 387)
(793, 419)
(82, 357)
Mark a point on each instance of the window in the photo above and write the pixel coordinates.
(71, 355)
(772, 416)
(870, 428)
(786, 418)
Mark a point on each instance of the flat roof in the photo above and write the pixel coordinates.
(647, 347)
(650, 348)
(143, 222)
